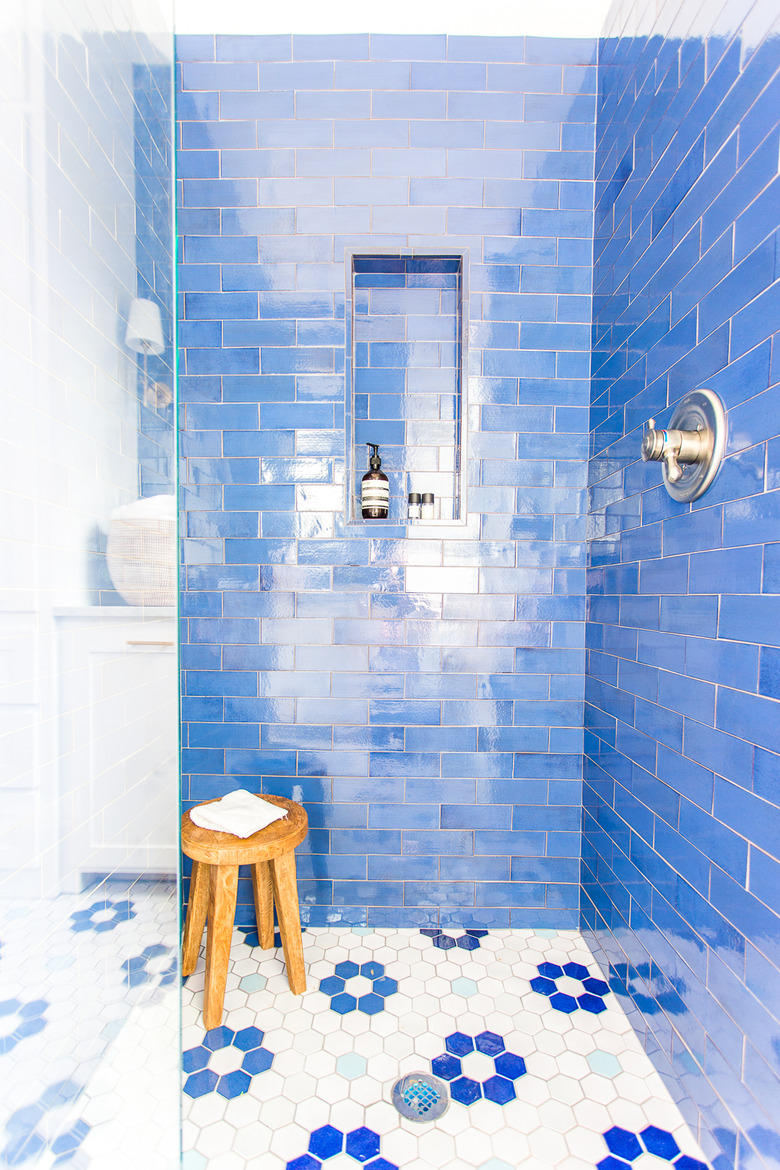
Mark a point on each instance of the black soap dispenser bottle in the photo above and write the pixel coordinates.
(375, 489)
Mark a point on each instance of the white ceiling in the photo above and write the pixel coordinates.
(541, 18)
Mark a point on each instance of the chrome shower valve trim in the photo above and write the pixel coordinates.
(692, 448)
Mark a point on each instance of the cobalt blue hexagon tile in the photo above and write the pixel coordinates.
(304, 1162)
(575, 971)
(686, 1162)
(381, 1164)
(447, 1067)
(58, 1093)
(385, 986)
(326, 1141)
(595, 986)
(27, 1145)
(201, 1083)
(591, 1003)
(258, 1060)
(542, 985)
(362, 1144)
(347, 969)
(218, 1038)
(563, 1003)
(465, 1091)
(659, 1142)
(252, 938)
(371, 1004)
(476, 933)
(248, 1038)
(332, 985)
(459, 1044)
(29, 1027)
(550, 970)
(612, 1163)
(372, 970)
(467, 943)
(623, 1143)
(498, 1089)
(509, 1065)
(343, 1004)
(490, 1043)
(195, 1058)
(233, 1084)
(35, 1007)
(430, 931)
(443, 942)
(67, 1143)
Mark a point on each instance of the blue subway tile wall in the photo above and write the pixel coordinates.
(682, 810)
(419, 691)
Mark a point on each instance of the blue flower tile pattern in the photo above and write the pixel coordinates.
(146, 967)
(625, 1147)
(533, 1089)
(102, 916)
(326, 1142)
(26, 1019)
(468, 941)
(590, 999)
(250, 1059)
(345, 995)
(452, 1066)
(32, 1130)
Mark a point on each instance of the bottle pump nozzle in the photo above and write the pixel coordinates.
(374, 462)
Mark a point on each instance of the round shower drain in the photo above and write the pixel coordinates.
(420, 1097)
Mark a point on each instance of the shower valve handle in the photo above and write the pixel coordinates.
(673, 447)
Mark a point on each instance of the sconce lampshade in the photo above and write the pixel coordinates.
(144, 327)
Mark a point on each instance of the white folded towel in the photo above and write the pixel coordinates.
(240, 813)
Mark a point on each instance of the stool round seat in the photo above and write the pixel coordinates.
(215, 848)
(216, 857)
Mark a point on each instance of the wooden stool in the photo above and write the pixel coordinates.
(215, 860)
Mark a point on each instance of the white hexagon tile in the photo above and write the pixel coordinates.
(88, 1023)
(541, 1064)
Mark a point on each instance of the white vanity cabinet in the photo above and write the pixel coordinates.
(118, 751)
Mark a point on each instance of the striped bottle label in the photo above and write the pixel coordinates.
(375, 494)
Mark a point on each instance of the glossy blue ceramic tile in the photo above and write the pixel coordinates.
(376, 665)
(672, 192)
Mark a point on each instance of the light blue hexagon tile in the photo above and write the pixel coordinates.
(519, 1028)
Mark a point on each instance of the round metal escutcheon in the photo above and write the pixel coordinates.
(701, 410)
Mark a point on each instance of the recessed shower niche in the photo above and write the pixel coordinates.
(406, 379)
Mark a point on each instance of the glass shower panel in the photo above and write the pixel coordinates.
(88, 666)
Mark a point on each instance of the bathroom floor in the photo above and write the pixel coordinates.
(542, 1065)
(88, 1020)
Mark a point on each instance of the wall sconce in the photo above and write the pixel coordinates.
(145, 335)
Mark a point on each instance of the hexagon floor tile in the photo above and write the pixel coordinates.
(88, 1028)
(541, 1062)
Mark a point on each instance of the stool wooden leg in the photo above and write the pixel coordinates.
(197, 908)
(262, 884)
(222, 910)
(288, 913)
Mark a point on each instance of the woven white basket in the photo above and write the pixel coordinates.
(141, 551)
